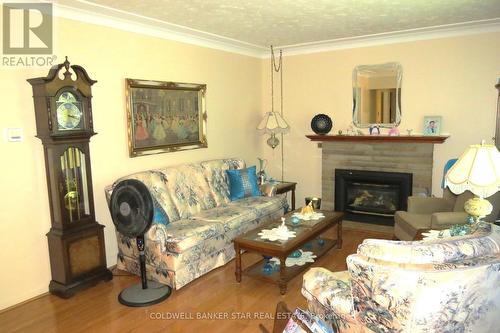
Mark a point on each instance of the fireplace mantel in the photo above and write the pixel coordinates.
(380, 138)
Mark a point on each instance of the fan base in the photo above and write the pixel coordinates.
(136, 296)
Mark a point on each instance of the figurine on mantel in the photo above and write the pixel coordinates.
(394, 131)
(374, 129)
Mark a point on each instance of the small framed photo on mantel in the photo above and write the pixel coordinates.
(432, 125)
(165, 116)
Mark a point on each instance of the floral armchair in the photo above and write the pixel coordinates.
(443, 285)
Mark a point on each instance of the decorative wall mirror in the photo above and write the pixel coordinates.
(377, 95)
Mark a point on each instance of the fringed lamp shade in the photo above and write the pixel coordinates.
(273, 123)
(477, 170)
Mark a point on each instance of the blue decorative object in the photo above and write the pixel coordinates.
(308, 246)
(243, 183)
(460, 230)
(321, 241)
(296, 254)
(268, 267)
(464, 229)
(295, 220)
(321, 124)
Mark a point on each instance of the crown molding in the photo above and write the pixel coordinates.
(92, 13)
(435, 32)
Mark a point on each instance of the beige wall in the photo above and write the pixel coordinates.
(110, 56)
(452, 77)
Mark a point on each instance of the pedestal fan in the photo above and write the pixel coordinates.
(132, 211)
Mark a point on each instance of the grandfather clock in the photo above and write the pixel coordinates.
(64, 125)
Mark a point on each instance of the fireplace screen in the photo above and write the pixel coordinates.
(372, 198)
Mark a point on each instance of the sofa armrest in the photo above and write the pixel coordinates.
(424, 205)
(444, 220)
(330, 289)
(268, 190)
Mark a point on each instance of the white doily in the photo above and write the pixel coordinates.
(309, 216)
(436, 234)
(276, 234)
(307, 256)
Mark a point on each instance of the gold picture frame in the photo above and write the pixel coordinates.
(165, 116)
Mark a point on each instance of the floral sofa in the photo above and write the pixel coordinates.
(202, 221)
(441, 285)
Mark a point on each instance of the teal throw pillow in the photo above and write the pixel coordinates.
(159, 215)
(243, 183)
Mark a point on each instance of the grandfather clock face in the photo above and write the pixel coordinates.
(69, 113)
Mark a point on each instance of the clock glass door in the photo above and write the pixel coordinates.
(74, 184)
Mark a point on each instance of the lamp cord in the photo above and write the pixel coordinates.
(272, 79)
(281, 109)
(279, 69)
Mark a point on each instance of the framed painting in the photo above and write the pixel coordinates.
(165, 116)
(432, 125)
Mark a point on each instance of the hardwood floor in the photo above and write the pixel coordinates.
(216, 299)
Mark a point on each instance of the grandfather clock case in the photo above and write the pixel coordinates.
(64, 125)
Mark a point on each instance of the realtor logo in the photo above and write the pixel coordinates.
(27, 28)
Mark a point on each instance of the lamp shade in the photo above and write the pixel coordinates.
(477, 170)
(273, 122)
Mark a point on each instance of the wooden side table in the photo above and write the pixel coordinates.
(283, 187)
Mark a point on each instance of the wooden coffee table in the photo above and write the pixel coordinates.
(306, 232)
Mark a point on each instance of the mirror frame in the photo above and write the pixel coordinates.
(356, 97)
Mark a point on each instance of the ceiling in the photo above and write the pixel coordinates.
(262, 23)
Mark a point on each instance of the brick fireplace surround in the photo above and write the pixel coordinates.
(412, 154)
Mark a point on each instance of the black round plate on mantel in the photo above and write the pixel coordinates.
(321, 124)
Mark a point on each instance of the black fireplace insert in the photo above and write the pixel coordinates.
(371, 196)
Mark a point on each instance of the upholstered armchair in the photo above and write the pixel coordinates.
(444, 285)
(437, 213)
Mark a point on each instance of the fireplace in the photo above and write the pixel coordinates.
(371, 196)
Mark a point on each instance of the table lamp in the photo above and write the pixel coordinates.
(478, 171)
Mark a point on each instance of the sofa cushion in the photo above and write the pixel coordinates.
(217, 223)
(188, 189)
(261, 205)
(215, 174)
(184, 234)
(229, 217)
(243, 183)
